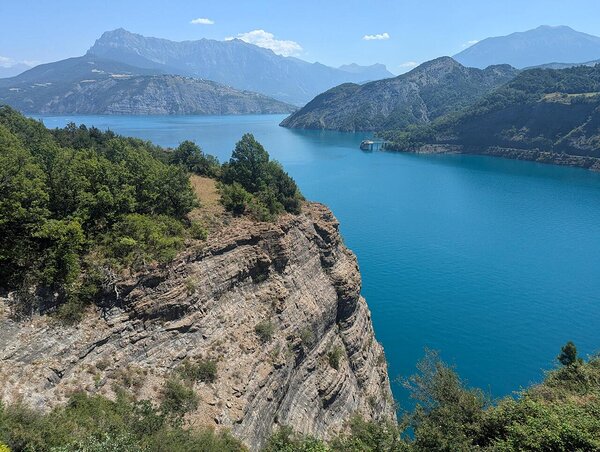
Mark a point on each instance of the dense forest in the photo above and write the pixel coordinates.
(79, 207)
(561, 414)
(544, 109)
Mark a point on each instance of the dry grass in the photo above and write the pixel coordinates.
(210, 213)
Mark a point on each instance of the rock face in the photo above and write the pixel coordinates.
(434, 88)
(232, 62)
(295, 273)
(89, 85)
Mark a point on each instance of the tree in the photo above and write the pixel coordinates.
(193, 159)
(568, 354)
(248, 164)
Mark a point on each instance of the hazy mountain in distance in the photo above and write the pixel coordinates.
(234, 62)
(11, 71)
(91, 85)
(542, 45)
(564, 65)
(372, 72)
(430, 90)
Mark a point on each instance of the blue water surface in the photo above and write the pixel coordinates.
(496, 263)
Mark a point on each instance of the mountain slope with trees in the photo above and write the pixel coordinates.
(423, 94)
(541, 111)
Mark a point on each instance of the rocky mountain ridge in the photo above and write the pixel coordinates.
(295, 273)
(90, 85)
(232, 62)
(419, 96)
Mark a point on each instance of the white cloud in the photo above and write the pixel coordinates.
(10, 62)
(202, 21)
(267, 40)
(470, 43)
(408, 64)
(378, 37)
(6, 62)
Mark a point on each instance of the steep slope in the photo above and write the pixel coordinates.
(423, 94)
(234, 62)
(90, 85)
(542, 45)
(295, 273)
(544, 114)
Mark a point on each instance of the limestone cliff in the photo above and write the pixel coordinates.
(296, 273)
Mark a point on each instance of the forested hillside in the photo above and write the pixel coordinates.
(542, 109)
(79, 206)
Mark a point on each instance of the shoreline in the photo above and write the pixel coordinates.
(532, 155)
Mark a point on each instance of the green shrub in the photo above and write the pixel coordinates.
(95, 423)
(71, 311)
(334, 356)
(204, 370)
(235, 198)
(265, 330)
(178, 398)
(198, 231)
(138, 240)
(370, 436)
(568, 354)
(307, 337)
(286, 440)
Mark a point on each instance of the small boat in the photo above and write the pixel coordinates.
(367, 145)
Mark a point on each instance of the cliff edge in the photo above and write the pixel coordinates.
(294, 274)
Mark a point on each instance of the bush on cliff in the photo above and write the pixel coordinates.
(95, 423)
(561, 414)
(253, 182)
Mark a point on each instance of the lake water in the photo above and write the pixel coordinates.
(496, 263)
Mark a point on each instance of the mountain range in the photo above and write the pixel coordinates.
(233, 62)
(91, 85)
(427, 92)
(539, 46)
(543, 114)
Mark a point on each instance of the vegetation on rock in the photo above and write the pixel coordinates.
(562, 413)
(252, 182)
(79, 206)
(541, 109)
(96, 424)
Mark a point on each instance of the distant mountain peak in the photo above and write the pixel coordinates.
(542, 45)
(232, 62)
(371, 72)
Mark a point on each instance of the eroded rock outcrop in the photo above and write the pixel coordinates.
(295, 273)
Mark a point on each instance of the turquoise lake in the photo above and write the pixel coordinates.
(496, 263)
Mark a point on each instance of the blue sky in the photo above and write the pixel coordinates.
(402, 32)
